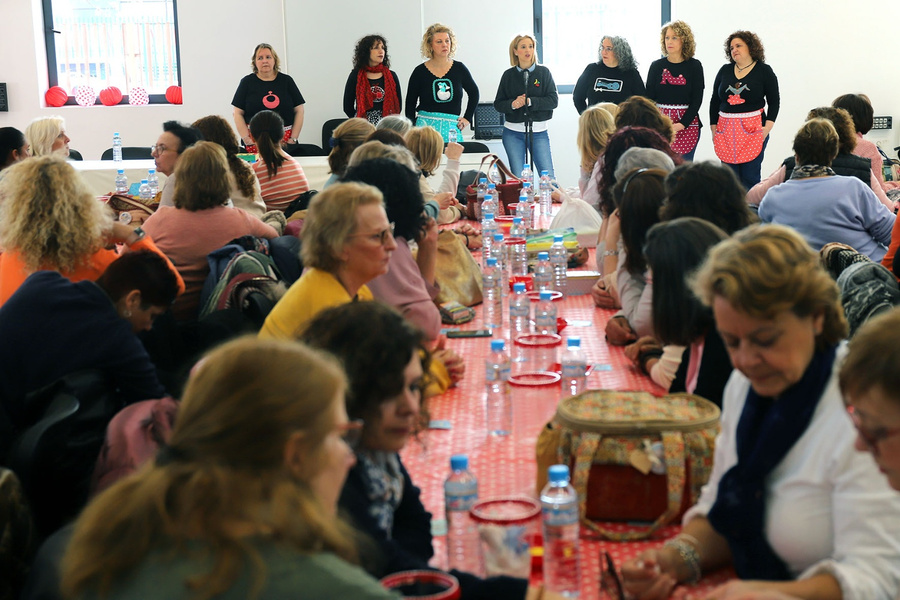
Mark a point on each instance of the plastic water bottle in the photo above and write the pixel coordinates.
(528, 192)
(543, 272)
(546, 190)
(545, 313)
(559, 258)
(488, 228)
(519, 312)
(153, 182)
(523, 210)
(498, 251)
(494, 173)
(518, 252)
(144, 190)
(121, 182)
(451, 135)
(574, 368)
(527, 175)
(562, 552)
(493, 302)
(499, 402)
(117, 147)
(460, 493)
(488, 206)
(480, 191)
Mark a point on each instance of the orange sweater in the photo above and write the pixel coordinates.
(13, 272)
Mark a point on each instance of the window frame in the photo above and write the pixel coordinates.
(53, 67)
(538, 8)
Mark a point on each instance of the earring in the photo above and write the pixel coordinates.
(126, 314)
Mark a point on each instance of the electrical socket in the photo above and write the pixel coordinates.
(883, 122)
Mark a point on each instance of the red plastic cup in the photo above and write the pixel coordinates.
(528, 280)
(423, 585)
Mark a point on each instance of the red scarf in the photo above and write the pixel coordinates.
(365, 98)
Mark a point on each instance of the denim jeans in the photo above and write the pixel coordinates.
(749, 172)
(541, 160)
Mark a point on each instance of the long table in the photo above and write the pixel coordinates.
(506, 465)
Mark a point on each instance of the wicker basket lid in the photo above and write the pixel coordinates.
(630, 413)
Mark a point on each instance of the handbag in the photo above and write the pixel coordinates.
(130, 210)
(508, 186)
(456, 272)
(633, 456)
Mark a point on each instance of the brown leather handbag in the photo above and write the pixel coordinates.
(456, 272)
(508, 187)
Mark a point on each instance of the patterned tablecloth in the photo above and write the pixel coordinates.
(506, 465)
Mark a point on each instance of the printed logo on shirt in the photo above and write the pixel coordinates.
(378, 92)
(271, 101)
(443, 90)
(735, 97)
(607, 85)
(668, 78)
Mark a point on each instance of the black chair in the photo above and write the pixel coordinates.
(75, 155)
(327, 129)
(475, 147)
(305, 150)
(129, 153)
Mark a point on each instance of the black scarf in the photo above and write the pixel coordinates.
(766, 432)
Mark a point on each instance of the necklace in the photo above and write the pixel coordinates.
(741, 69)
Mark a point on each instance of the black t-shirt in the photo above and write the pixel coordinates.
(281, 95)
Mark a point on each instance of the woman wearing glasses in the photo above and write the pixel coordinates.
(347, 242)
(790, 504)
(242, 503)
(613, 78)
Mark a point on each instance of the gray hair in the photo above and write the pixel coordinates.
(622, 51)
(376, 149)
(398, 123)
(643, 158)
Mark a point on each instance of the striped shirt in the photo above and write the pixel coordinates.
(279, 191)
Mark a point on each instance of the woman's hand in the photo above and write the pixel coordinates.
(619, 331)
(454, 363)
(602, 296)
(768, 127)
(462, 123)
(519, 102)
(445, 199)
(453, 151)
(472, 236)
(651, 575)
(633, 351)
(677, 127)
(122, 234)
(746, 590)
(428, 237)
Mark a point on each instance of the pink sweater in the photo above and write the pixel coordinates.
(278, 192)
(187, 237)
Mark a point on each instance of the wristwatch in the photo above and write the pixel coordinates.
(292, 140)
(141, 234)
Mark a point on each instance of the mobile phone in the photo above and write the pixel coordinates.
(457, 333)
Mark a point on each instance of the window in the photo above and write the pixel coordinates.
(569, 33)
(121, 43)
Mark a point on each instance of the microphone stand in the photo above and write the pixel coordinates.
(529, 133)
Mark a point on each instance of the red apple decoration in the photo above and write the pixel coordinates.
(110, 96)
(173, 94)
(56, 96)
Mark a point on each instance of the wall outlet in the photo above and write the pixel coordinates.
(883, 122)
(4, 100)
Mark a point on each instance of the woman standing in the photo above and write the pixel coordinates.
(613, 79)
(742, 91)
(434, 94)
(675, 83)
(526, 96)
(267, 88)
(372, 90)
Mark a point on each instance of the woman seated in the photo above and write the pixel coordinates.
(385, 358)
(49, 220)
(427, 145)
(13, 147)
(709, 191)
(823, 206)
(245, 191)
(200, 222)
(595, 125)
(789, 504)
(347, 137)
(845, 163)
(347, 241)
(639, 111)
(863, 114)
(243, 501)
(399, 123)
(687, 354)
(47, 135)
(281, 178)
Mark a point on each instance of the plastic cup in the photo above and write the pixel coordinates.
(537, 351)
(507, 527)
(423, 585)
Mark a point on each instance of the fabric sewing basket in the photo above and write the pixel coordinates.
(508, 186)
(131, 210)
(633, 456)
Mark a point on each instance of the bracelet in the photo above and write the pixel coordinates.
(611, 253)
(646, 355)
(689, 555)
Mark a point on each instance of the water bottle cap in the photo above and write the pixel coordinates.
(546, 295)
(527, 184)
(517, 220)
(143, 181)
(459, 462)
(151, 171)
(482, 180)
(497, 345)
(523, 198)
(498, 237)
(543, 256)
(492, 262)
(121, 171)
(488, 196)
(116, 133)
(519, 288)
(573, 342)
(492, 185)
(557, 238)
(489, 216)
(526, 166)
(558, 473)
(545, 172)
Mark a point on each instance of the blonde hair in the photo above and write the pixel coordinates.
(595, 125)
(513, 60)
(427, 50)
(49, 216)
(224, 466)
(610, 107)
(427, 146)
(203, 177)
(376, 149)
(331, 220)
(683, 31)
(764, 270)
(264, 46)
(42, 132)
(348, 136)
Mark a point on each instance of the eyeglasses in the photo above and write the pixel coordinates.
(871, 437)
(351, 432)
(610, 582)
(380, 237)
(159, 149)
(606, 48)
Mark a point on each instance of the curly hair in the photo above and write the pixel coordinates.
(639, 196)
(595, 125)
(217, 130)
(267, 129)
(203, 179)
(843, 124)
(402, 195)
(348, 136)
(364, 46)
(764, 270)
(619, 142)
(860, 109)
(622, 51)
(684, 33)
(49, 216)
(276, 67)
(375, 343)
(754, 45)
(427, 146)
(638, 111)
(710, 191)
(427, 51)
